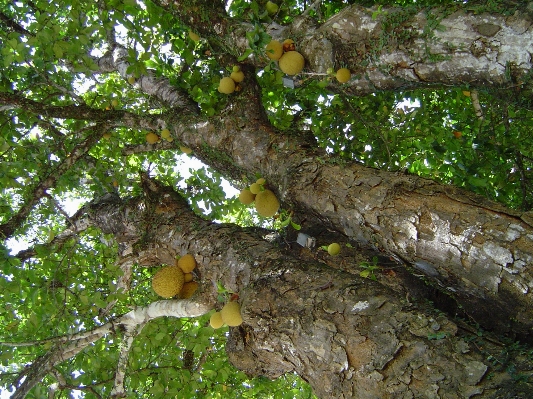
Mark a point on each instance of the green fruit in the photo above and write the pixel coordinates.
(274, 50)
(226, 85)
(168, 281)
(231, 314)
(271, 7)
(255, 188)
(246, 197)
(131, 80)
(216, 320)
(343, 75)
(266, 203)
(261, 181)
(193, 36)
(334, 249)
(292, 63)
(237, 76)
(165, 133)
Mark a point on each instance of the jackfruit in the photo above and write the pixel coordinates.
(291, 63)
(271, 7)
(237, 77)
(168, 281)
(261, 181)
(226, 85)
(274, 50)
(343, 75)
(188, 289)
(187, 263)
(187, 277)
(185, 150)
(216, 320)
(231, 314)
(266, 203)
(255, 188)
(193, 36)
(246, 197)
(152, 138)
(334, 249)
(165, 133)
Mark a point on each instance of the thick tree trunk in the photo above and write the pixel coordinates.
(348, 336)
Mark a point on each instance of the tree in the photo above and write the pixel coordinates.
(98, 99)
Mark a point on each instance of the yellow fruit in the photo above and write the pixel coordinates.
(274, 50)
(152, 138)
(187, 263)
(165, 133)
(114, 103)
(292, 63)
(185, 150)
(288, 45)
(231, 314)
(466, 93)
(255, 188)
(237, 76)
(168, 281)
(187, 277)
(343, 75)
(226, 85)
(246, 197)
(216, 320)
(236, 68)
(266, 203)
(271, 7)
(193, 36)
(188, 289)
(261, 181)
(334, 249)
(131, 80)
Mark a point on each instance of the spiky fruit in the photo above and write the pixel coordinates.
(165, 133)
(237, 76)
(131, 80)
(292, 63)
(255, 188)
(271, 7)
(193, 36)
(152, 138)
(343, 75)
(185, 150)
(231, 314)
(226, 85)
(274, 50)
(216, 320)
(288, 45)
(187, 263)
(246, 197)
(168, 281)
(334, 249)
(266, 203)
(188, 289)
(187, 277)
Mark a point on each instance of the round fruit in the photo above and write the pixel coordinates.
(193, 36)
(236, 68)
(152, 138)
(288, 45)
(185, 150)
(106, 136)
(292, 63)
(231, 314)
(237, 76)
(216, 320)
(188, 289)
(343, 75)
(131, 80)
(187, 277)
(271, 7)
(255, 188)
(261, 181)
(187, 263)
(168, 281)
(246, 197)
(226, 85)
(165, 133)
(114, 103)
(334, 249)
(266, 203)
(274, 50)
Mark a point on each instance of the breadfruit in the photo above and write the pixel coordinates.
(216, 320)
(168, 281)
(231, 314)
(271, 7)
(246, 197)
(288, 45)
(261, 181)
(131, 80)
(274, 50)
(152, 138)
(188, 289)
(266, 203)
(343, 75)
(226, 85)
(292, 63)
(236, 68)
(237, 77)
(255, 188)
(334, 249)
(187, 263)
(187, 277)
(165, 133)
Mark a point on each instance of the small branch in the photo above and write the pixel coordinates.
(476, 104)
(119, 390)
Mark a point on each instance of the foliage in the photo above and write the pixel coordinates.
(50, 56)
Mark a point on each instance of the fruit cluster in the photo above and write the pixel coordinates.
(265, 200)
(289, 60)
(170, 281)
(230, 314)
(229, 84)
